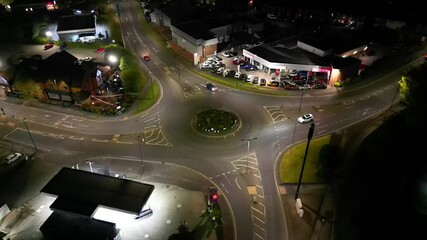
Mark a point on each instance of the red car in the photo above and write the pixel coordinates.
(146, 58)
(48, 46)
(100, 50)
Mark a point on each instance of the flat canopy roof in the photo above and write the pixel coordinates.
(70, 227)
(82, 192)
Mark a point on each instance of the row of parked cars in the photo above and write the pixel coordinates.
(293, 80)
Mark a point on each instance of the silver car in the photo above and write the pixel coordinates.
(306, 118)
(15, 157)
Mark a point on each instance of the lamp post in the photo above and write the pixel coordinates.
(29, 133)
(395, 94)
(249, 140)
(140, 150)
(310, 135)
(90, 165)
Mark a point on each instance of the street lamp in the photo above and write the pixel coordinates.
(90, 165)
(396, 92)
(112, 59)
(249, 140)
(140, 150)
(29, 133)
(309, 137)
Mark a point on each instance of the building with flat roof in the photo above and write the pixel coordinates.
(79, 194)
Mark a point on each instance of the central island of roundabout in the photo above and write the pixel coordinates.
(215, 122)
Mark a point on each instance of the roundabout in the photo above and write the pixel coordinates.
(215, 122)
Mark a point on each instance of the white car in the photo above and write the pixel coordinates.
(249, 78)
(305, 87)
(227, 54)
(306, 118)
(237, 75)
(14, 157)
(225, 72)
(205, 65)
(220, 70)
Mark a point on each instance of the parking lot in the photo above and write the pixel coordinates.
(231, 64)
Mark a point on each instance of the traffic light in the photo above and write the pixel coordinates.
(213, 195)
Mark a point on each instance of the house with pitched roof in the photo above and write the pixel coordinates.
(58, 78)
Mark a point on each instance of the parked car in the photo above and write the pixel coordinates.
(320, 86)
(231, 73)
(226, 54)
(249, 78)
(306, 118)
(100, 50)
(237, 75)
(255, 80)
(238, 61)
(293, 73)
(225, 72)
(262, 82)
(63, 46)
(215, 57)
(243, 76)
(205, 65)
(220, 70)
(48, 46)
(305, 87)
(11, 158)
(273, 84)
(271, 16)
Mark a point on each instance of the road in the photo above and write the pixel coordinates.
(168, 136)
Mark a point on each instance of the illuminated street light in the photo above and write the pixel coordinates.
(112, 59)
(139, 139)
(48, 34)
(90, 165)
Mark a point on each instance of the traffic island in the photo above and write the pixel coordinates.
(215, 122)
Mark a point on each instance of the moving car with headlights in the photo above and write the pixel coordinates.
(306, 118)
(211, 87)
(15, 157)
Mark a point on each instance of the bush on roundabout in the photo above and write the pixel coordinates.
(215, 122)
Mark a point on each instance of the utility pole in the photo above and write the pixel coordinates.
(394, 96)
(29, 133)
(309, 137)
(249, 140)
(140, 150)
(90, 165)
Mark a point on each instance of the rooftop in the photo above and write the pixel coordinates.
(81, 192)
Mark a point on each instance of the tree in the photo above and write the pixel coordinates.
(183, 232)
